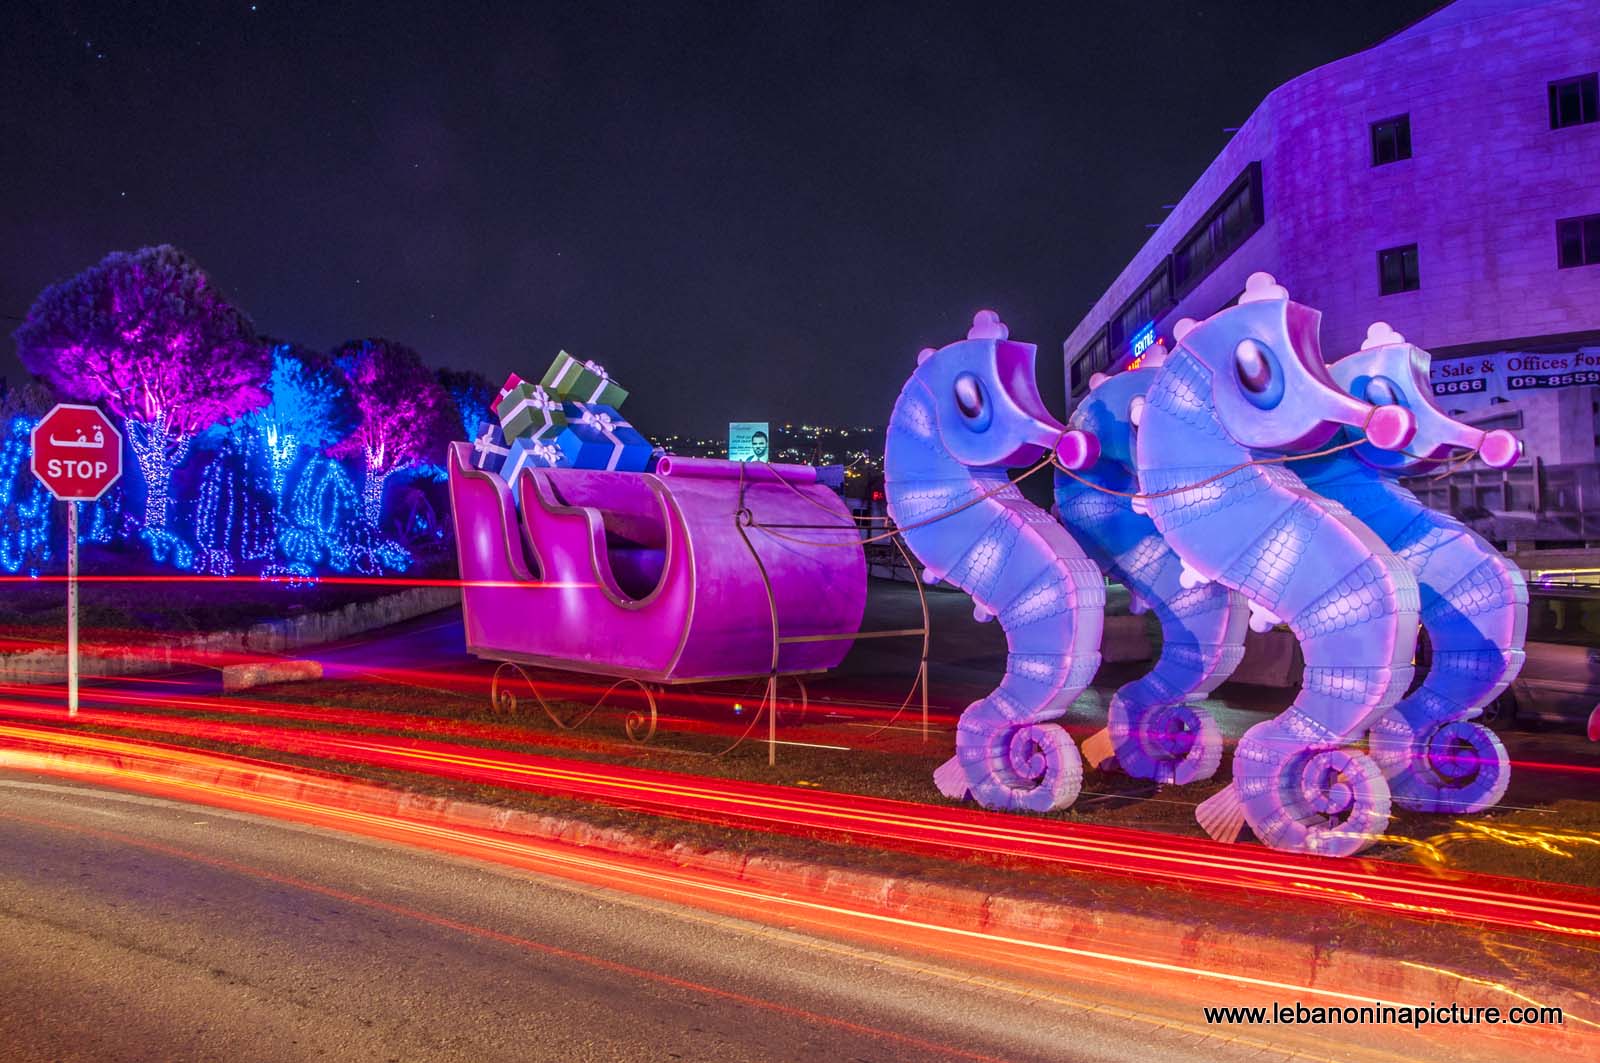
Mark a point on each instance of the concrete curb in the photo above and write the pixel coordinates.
(267, 639)
(1080, 926)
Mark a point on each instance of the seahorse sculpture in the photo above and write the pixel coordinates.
(1249, 383)
(1474, 600)
(969, 412)
(1153, 727)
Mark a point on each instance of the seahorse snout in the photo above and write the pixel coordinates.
(1391, 427)
(1500, 449)
(1077, 449)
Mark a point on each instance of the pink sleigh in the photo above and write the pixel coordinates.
(658, 578)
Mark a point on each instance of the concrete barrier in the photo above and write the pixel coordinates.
(270, 638)
(260, 673)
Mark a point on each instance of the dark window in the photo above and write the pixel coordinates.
(1231, 220)
(1397, 270)
(1091, 360)
(1391, 140)
(1578, 241)
(1153, 298)
(1574, 101)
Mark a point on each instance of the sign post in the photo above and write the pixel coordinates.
(77, 455)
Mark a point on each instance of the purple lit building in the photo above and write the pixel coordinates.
(1447, 181)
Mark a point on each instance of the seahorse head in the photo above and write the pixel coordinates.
(1112, 408)
(1270, 387)
(1388, 371)
(986, 401)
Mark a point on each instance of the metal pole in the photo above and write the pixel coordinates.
(772, 720)
(72, 608)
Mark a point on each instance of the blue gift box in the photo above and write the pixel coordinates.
(489, 448)
(596, 437)
(529, 454)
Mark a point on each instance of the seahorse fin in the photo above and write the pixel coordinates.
(1098, 751)
(1222, 814)
(1189, 578)
(951, 779)
(1263, 619)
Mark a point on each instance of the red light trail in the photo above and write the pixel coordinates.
(960, 833)
(1159, 965)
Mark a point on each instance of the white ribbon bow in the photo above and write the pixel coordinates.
(602, 420)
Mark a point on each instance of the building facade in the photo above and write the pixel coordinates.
(1447, 181)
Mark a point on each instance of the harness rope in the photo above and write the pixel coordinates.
(1451, 464)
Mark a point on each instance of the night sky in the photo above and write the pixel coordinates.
(745, 211)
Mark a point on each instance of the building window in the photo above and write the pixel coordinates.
(1091, 360)
(1153, 298)
(1574, 101)
(1578, 241)
(1229, 223)
(1397, 270)
(1391, 140)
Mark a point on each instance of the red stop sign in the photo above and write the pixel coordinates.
(77, 452)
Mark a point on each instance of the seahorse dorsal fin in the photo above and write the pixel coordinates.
(1380, 334)
(986, 325)
(1261, 287)
(924, 354)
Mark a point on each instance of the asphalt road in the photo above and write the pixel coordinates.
(139, 929)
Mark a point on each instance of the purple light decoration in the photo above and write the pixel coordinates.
(404, 416)
(147, 336)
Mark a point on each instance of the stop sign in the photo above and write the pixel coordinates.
(77, 452)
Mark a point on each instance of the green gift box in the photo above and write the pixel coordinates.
(528, 411)
(575, 381)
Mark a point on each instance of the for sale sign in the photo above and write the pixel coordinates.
(77, 453)
(1470, 383)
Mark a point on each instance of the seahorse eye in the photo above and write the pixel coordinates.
(1255, 372)
(1381, 391)
(1257, 369)
(969, 396)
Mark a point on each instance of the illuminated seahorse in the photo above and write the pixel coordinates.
(1154, 728)
(969, 412)
(1474, 601)
(1250, 382)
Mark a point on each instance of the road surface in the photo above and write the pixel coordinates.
(139, 929)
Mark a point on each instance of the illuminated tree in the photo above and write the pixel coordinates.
(402, 413)
(473, 396)
(29, 398)
(148, 336)
(309, 405)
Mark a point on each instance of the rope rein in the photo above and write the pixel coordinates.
(1451, 464)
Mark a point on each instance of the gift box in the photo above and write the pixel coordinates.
(489, 448)
(511, 382)
(530, 412)
(529, 454)
(596, 437)
(585, 382)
